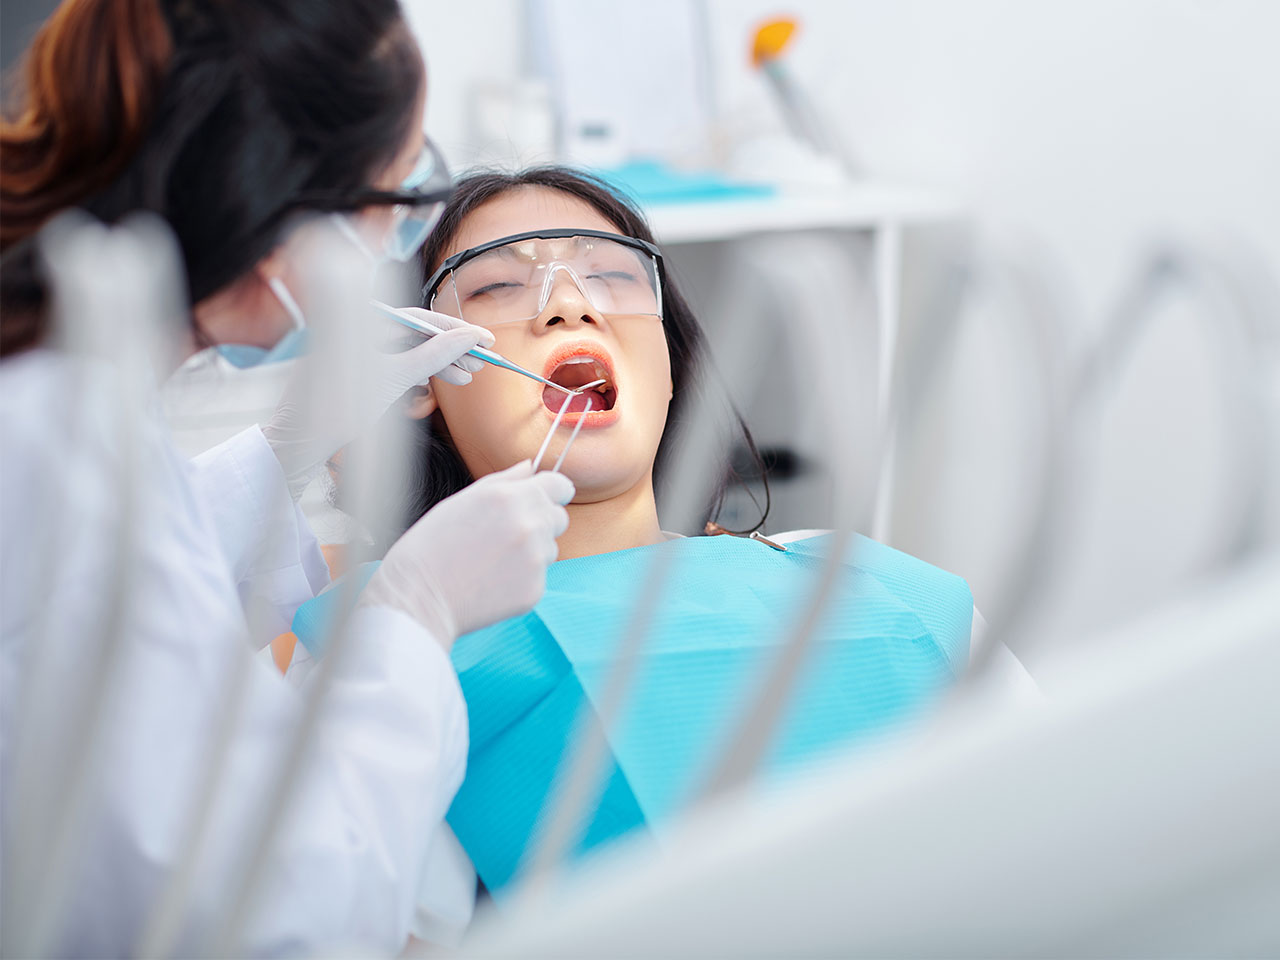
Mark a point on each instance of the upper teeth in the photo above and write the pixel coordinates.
(594, 367)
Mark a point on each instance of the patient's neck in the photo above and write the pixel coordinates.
(628, 520)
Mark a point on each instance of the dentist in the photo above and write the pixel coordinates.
(231, 121)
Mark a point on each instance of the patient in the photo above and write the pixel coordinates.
(564, 301)
(567, 277)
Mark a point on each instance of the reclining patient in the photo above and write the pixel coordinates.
(566, 276)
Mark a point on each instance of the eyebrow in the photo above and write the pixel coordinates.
(504, 251)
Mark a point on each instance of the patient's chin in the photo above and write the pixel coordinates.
(599, 478)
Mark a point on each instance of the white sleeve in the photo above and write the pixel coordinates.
(343, 868)
(446, 891)
(446, 896)
(396, 742)
(272, 554)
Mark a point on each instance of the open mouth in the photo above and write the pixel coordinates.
(575, 368)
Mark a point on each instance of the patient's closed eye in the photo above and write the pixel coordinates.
(617, 277)
(492, 277)
(495, 290)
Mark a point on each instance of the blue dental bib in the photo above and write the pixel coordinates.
(894, 635)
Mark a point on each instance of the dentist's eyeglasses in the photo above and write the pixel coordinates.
(416, 204)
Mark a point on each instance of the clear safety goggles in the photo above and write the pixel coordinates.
(416, 204)
(512, 279)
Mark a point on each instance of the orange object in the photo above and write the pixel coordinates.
(282, 647)
(771, 39)
(335, 558)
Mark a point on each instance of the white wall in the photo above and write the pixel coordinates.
(1090, 128)
(1092, 122)
(464, 44)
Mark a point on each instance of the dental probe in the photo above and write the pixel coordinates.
(564, 407)
(572, 437)
(480, 353)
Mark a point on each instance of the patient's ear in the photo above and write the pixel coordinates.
(420, 402)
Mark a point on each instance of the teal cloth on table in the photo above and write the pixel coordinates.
(654, 183)
(894, 634)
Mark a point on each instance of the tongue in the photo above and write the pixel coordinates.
(553, 399)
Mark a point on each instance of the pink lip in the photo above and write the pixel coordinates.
(596, 351)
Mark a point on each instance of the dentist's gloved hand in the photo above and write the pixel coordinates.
(316, 417)
(477, 557)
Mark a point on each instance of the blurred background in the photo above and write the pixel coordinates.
(1054, 226)
(1110, 155)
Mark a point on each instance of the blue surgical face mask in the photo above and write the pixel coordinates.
(294, 343)
(244, 355)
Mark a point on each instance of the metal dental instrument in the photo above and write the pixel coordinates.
(480, 353)
(564, 407)
(542, 450)
(572, 437)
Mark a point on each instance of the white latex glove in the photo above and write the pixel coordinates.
(310, 424)
(477, 557)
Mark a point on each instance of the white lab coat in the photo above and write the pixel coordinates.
(393, 743)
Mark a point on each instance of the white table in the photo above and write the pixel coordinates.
(882, 209)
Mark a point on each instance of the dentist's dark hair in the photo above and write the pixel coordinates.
(441, 469)
(221, 116)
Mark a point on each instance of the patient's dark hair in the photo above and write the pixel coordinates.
(441, 470)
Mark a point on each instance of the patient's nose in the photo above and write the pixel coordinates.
(566, 304)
